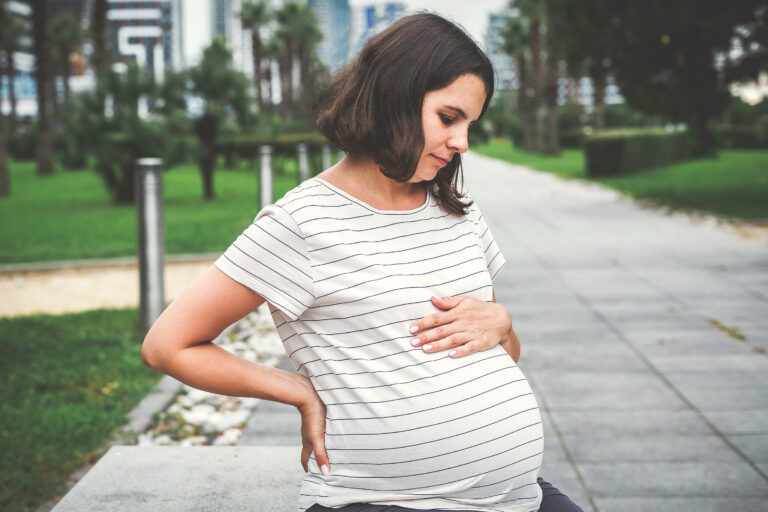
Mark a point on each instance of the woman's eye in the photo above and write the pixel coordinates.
(447, 121)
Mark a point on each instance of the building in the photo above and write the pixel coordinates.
(24, 64)
(334, 18)
(367, 20)
(502, 63)
(141, 32)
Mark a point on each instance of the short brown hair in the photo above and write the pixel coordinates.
(373, 106)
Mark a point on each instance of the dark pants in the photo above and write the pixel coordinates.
(552, 501)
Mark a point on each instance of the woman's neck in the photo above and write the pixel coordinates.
(360, 177)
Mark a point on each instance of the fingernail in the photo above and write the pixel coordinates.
(452, 353)
(415, 341)
(414, 328)
(428, 346)
(324, 469)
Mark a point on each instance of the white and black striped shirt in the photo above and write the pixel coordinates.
(344, 282)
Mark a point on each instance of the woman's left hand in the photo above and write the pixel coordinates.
(466, 325)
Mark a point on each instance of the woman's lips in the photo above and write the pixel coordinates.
(441, 160)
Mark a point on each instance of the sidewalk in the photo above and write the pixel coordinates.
(644, 336)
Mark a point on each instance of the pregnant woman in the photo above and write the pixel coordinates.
(378, 273)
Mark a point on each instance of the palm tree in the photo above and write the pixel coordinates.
(515, 43)
(287, 17)
(221, 87)
(44, 149)
(254, 16)
(308, 36)
(65, 35)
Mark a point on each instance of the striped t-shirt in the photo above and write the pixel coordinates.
(344, 282)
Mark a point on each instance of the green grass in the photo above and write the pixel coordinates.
(67, 382)
(69, 215)
(733, 185)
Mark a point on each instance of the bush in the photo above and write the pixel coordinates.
(572, 138)
(740, 137)
(621, 115)
(615, 152)
(22, 139)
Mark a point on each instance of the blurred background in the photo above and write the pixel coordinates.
(662, 101)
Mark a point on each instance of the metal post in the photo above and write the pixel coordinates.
(303, 162)
(149, 201)
(326, 156)
(266, 175)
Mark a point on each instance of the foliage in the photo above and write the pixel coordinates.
(68, 382)
(65, 36)
(664, 56)
(616, 152)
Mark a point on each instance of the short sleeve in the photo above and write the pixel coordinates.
(270, 257)
(494, 259)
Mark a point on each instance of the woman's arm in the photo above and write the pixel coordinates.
(466, 325)
(179, 344)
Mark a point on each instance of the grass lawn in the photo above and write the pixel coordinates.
(67, 382)
(69, 215)
(733, 185)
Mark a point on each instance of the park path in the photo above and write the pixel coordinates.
(644, 336)
(81, 286)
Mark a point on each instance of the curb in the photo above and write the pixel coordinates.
(128, 261)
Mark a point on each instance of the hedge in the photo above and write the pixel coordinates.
(740, 137)
(615, 152)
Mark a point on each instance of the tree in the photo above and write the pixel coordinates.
(65, 36)
(515, 43)
(221, 87)
(11, 30)
(254, 16)
(587, 49)
(44, 149)
(308, 36)
(671, 58)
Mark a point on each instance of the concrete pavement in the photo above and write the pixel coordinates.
(644, 336)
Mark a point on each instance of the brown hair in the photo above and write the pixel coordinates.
(373, 106)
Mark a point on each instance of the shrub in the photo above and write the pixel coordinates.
(740, 137)
(615, 152)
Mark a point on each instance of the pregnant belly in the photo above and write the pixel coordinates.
(468, 428)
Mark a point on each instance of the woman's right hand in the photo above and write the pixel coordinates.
(313, 430)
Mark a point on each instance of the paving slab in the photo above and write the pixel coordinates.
(171, 479)
(673, 479)
(688, 504)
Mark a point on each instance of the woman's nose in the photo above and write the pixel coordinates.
(458, 141)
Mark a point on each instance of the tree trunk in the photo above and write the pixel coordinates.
(705, 145)
(207, 129)
(207, 164)
(268, 85)
(5, 180)
(44, 149)
(99, 24)
(523, 105)
(286, 80)
(11, 71)
(256, 50)
(598, 84)
(553, 74)
(538, 96)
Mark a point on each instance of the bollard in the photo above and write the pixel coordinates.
(326, 156)
(266, 175)
(303, 162)
(149, 204)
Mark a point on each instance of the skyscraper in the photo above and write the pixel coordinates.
(367, 20)
(334, 18)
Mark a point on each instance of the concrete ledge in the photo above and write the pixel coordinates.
(127, 261)
(168, 479)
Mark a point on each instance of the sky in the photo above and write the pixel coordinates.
(471, 14)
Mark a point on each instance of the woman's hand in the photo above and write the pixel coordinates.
(466, 325)
(313, 431)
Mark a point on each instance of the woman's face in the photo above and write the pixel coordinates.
(446, 116)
